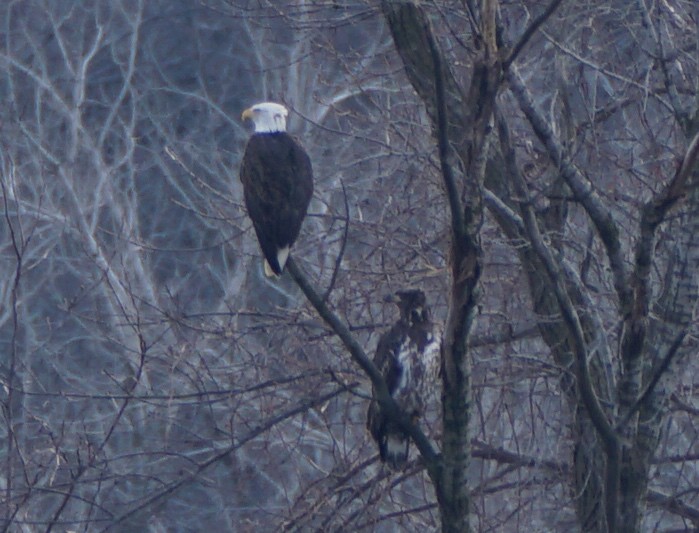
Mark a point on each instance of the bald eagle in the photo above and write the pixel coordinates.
(408, 357)
(277, 182)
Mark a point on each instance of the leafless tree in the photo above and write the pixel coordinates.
(531, 166)
(615, 359)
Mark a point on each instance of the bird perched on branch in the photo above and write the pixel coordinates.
(407, 356)
(277, 179)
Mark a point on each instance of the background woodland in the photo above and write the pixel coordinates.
(529, 165)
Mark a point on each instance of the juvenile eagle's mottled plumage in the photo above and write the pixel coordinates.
(408, 356)
(277, 182)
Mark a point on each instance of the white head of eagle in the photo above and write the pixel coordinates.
(277, 179)
(407, 356)
(268, 117)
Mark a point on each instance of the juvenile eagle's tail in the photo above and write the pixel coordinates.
(393, 443)
(393, 449)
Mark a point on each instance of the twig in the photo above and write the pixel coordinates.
(338, 260)
(662, 368)
(529, 32)
(12, 377)
(176, 485)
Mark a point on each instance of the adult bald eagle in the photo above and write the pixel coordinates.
(277, 182)
(408, 357)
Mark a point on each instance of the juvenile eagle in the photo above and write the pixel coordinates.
(408, 356)
(277, 182)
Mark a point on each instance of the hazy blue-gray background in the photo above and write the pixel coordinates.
(153, 380)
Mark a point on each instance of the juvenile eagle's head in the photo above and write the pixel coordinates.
(412, 305)
(268, 117)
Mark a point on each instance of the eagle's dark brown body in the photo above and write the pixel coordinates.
(408, 357)
(277, 181)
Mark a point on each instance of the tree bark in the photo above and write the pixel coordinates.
(462, 139)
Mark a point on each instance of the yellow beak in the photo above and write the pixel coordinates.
(247, 114)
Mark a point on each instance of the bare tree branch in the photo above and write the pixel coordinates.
(529, 32)
(655, 379)
(388, 404)
(187, 478)
(568, 310)
(607, 228)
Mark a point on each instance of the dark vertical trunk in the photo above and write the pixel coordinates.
(462, 140)
(589, 454)
(671, 317)
(589, 462)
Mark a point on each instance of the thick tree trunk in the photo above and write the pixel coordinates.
(609, 481)
(589, 455)
(462, 139)
(671, 317)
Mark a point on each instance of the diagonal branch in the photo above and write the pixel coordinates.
(572, 320)
(343, 246)
(656, 209)
(529, 33)
(568, 311)
(607, 228)
(388, 404)
(659, 372)
(653, 214)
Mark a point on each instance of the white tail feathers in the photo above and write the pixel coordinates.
(268, 270)
(282, 256)
(396, 450)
